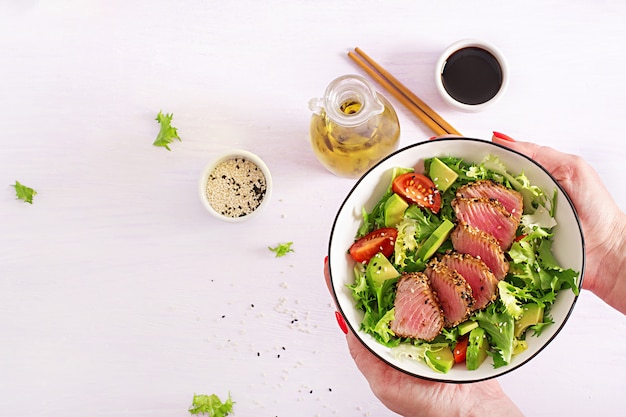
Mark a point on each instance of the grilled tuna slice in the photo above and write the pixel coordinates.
(417, 311)
(454, 293)
(467, 239)
(489, 216)
(512, 200)
(484, 284)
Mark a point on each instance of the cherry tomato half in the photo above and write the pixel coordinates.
(417, 189)
(520, 237)
(460, 350)
(380, 240)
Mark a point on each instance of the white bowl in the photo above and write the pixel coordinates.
(568, 247)
(215, 163)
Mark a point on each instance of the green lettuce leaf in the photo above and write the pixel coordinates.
(553, 276)
(377, 302)
(499, 327)
(540, 219)
(405, 247)
(413, 230)
(382, 329)
(282, 249)
(24, 193)
(511, 303)
(211, 405)
(426, 221)
(522, 252)
(167, 133)
(374, 219)
(417, 351)
(538, 328)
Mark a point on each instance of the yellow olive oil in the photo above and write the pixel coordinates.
(350, 151)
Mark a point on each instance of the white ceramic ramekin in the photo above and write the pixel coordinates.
(470, 43)
(211, 167)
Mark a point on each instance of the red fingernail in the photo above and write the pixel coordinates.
(325, 259)
(503, 136)
(341, 322)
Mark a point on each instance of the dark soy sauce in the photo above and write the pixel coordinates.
(472, 76)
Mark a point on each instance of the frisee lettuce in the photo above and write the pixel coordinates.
(511, 303)
(23, 192)
(414, 229)
(376, 301)
(374, 219)
(211, 405)
(406, 242)
(167, 133)
(499, 327)
(417, 351)
(282, 249)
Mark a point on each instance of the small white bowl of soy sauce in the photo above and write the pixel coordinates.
(471, 75)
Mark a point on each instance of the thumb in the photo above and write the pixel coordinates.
(527, 148)
(549, 158)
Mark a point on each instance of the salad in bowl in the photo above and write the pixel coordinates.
(456, 260)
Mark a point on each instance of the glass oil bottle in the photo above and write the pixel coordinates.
(352, 126)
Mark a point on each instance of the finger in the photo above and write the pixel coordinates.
(502, 136)
(527, 148)
(365, 360)
(327, 274)
(443, 136)
(340, 320)
(544, 155)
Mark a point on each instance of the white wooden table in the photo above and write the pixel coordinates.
(121, 296)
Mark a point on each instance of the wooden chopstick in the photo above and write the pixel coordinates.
(434, 126)
(426, 114)
(409, 94)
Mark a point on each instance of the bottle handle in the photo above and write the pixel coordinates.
(316, 105)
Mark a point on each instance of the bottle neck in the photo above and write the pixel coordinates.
(351, 101)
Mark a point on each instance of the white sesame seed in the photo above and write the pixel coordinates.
(236, 187)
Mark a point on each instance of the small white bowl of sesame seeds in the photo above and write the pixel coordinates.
(235, 186)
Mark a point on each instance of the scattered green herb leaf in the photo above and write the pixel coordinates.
(24, 193)
(282, 249)
(211, 405)
(168, 133)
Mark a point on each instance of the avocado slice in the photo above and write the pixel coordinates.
(440, 360)
(435, 240)
(379, 270)
(394, 209)
(519, 346)
(477, 347)
(532, 314)
(466, 327)
(442, 175)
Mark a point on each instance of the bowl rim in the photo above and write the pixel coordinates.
(502, 370)
(224, 156)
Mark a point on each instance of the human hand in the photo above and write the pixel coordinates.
(602, 221)
(413, 397)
